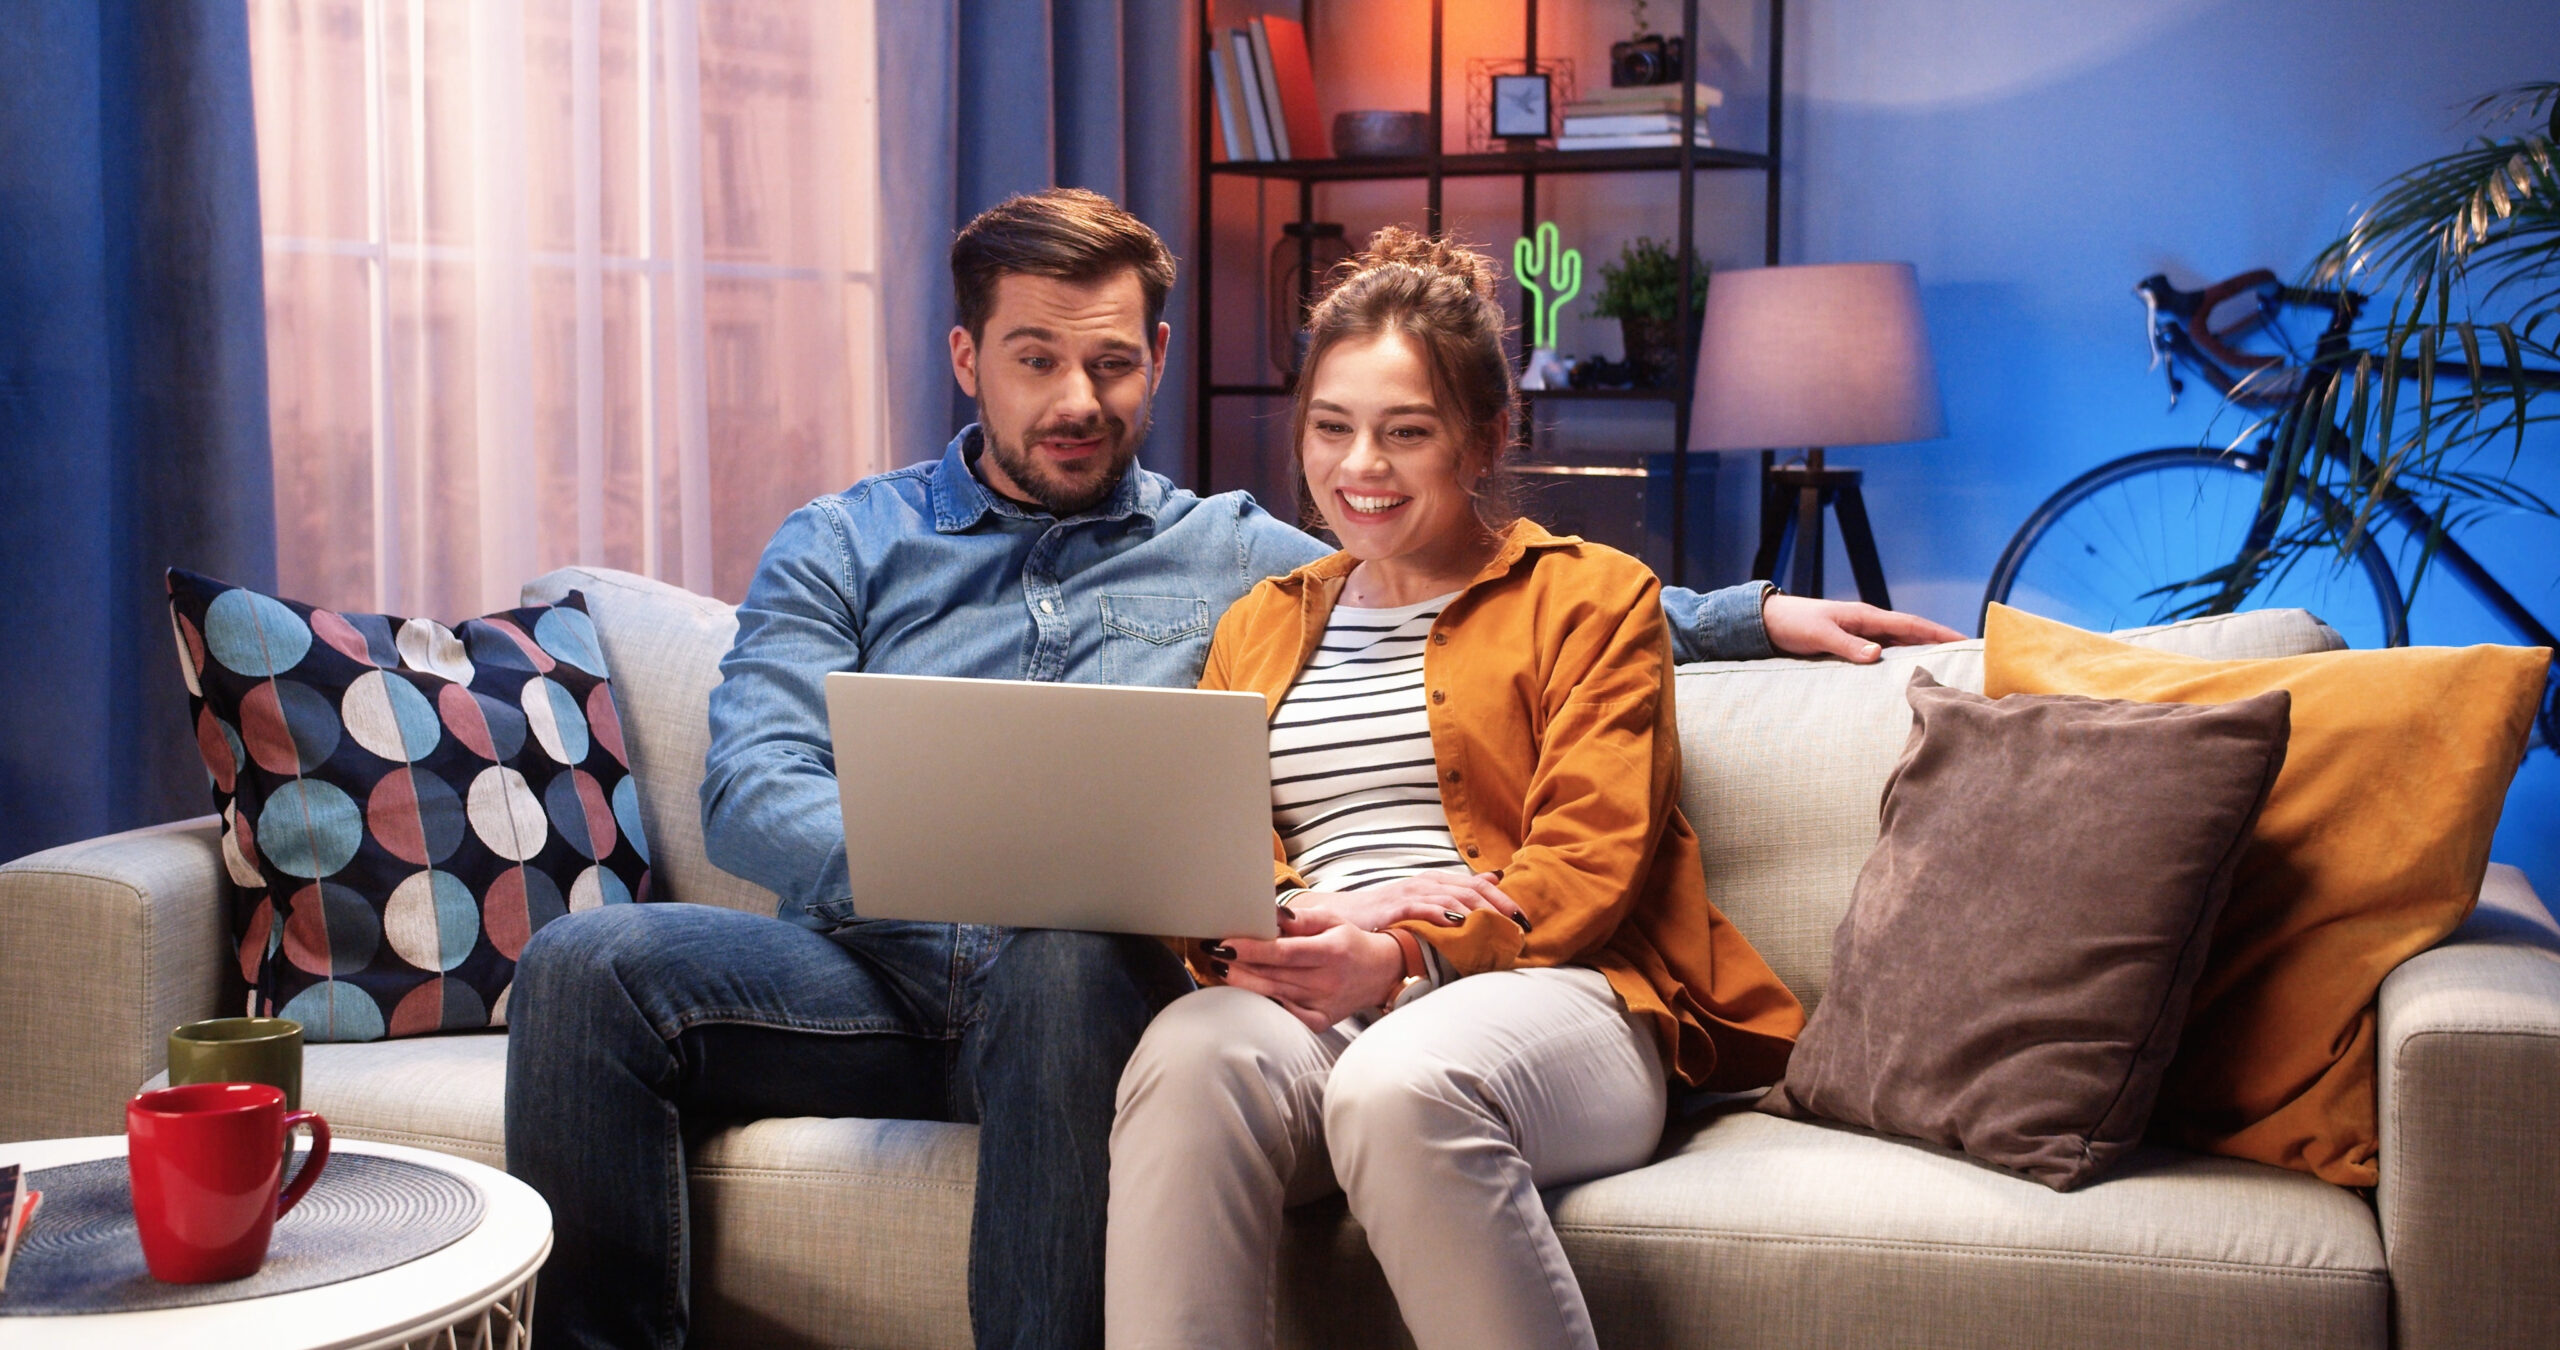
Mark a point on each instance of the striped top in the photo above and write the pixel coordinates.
(1354, 792)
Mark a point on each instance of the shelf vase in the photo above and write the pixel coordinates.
(1652, 346)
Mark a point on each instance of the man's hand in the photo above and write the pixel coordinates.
(1320, 970)
(1435, 897)
(1800, 626)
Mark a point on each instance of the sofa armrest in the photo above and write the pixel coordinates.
(104, 946)
(2470, 1085)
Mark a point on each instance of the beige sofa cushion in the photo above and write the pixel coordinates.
(834, 1232)
(447, 1093)
(1755, 1231)
(664, 644)
(1783, 764)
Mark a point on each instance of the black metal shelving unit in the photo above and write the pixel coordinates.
(1528, 166)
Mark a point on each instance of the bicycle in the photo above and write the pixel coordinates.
(2187, 530)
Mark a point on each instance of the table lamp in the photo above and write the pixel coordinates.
(1815, 356)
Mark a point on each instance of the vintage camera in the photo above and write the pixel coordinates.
(1651, 59)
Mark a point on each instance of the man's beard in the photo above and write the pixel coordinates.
(1058, 493)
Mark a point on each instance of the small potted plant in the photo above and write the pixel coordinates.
(1641, 290)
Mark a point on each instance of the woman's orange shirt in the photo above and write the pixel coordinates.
(1548, 680)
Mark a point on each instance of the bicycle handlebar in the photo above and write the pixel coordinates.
(2190, 316)
(2185, 305)
(2197, 307)
(2182, 326)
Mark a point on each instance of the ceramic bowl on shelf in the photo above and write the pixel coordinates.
(1380, 135)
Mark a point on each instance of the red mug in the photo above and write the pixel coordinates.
(207, 1161)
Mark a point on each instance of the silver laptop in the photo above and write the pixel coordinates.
(1040, 805)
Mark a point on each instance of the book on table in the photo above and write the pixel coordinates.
(20, 1211)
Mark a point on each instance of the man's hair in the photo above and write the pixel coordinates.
(1067, 233)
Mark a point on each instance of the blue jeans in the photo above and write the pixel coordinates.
(634, 1026)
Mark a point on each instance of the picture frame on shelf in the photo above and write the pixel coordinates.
(1482, 71)
(1522, 109)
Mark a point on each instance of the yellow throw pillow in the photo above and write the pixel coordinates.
(2370, 850)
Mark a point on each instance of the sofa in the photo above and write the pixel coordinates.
(1746, 1230)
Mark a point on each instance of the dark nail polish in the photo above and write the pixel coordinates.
(1522, 920)
(1287, 913)
(1453, 916)
(1218, 968)
(1221, 951)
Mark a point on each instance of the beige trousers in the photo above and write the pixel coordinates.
(1439, 1123)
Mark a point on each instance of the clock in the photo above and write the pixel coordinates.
(1520, 107)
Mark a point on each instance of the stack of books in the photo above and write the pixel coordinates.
(1265, 92)
(1634, 118)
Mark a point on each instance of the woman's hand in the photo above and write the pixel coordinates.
(1320, 968)
(1433, 897)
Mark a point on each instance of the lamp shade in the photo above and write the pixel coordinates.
(1822, 355)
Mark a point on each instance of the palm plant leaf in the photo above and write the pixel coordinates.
(2466, 248)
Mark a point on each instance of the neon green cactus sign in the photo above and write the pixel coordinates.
(1550, 275)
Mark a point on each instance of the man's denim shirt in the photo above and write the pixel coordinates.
(924, 571)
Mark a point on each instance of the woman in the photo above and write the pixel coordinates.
(1496, 948)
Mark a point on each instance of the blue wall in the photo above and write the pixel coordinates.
(2036, 159)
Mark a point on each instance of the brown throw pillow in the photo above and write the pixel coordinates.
(2015, 965)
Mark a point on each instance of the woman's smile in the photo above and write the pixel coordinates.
(1373, 506)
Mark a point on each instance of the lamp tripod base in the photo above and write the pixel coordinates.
(1792, 498)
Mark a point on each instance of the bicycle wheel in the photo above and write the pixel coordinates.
(2105, 551)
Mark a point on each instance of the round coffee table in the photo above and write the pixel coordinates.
(476, 1292)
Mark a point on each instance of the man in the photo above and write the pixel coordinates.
(1031, 550)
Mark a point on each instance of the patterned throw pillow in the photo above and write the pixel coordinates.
(404, 805)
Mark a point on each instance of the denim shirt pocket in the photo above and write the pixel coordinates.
(1154, 639)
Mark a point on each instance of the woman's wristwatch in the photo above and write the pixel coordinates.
(1415, 970)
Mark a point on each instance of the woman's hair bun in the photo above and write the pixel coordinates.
(1431, 253)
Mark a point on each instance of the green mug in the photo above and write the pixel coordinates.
(240, 1050)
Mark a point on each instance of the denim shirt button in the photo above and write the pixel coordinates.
(1048, 606)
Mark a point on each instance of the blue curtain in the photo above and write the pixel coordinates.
(133, 395)
(981, 99)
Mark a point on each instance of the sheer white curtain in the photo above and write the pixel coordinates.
(555, 281)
